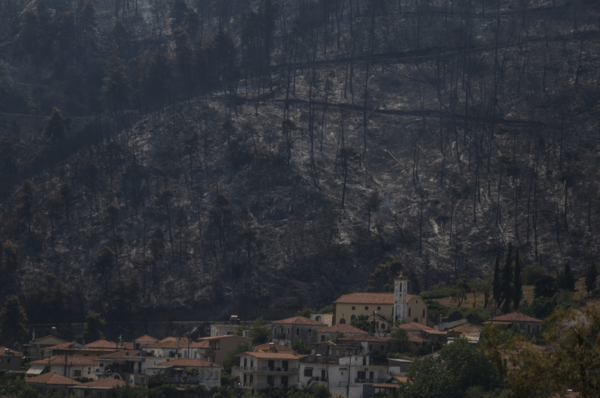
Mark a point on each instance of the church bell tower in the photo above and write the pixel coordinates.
(400, 298)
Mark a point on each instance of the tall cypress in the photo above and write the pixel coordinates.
(590, 278)
(568, 282)
(506, 283)
(518, 283)
(497, 290)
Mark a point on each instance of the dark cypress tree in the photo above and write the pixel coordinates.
(590, 278)
(568, 279)
(497, 290)
(506, 282)
(518, 287)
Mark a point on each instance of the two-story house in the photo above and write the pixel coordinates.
(262, 370)
(10, 360)
(215, 349)
(35, 348)
(187, 373)
(286, 331)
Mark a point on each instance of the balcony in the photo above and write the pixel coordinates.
(369, 381)
(266, 369)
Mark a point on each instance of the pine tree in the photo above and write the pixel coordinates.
(506, 283)
(590, 278)
(55, 125)
(115, 88)
(12, 320)
(518, 286)
(497, 289)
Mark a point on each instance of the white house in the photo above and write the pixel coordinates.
(262, 370)
(65, 365)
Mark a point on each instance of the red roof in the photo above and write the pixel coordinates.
(145, 339)
(299, 320)
(268, 346)
(513, 317)
(11, 352)
(225, 336)
(342, 328)
(119, 354)
(418, 326)
(52, 378)
(370, 298)
(72, 360)
(102, 344)
(365, 337)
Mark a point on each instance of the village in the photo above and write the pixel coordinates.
(301, 352)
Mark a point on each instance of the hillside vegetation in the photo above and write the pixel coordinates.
(192, 159)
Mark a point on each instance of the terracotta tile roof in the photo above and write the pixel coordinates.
(267, 348)
(513, 317)
(45, 337)
(12, 352)
(145, 339)
(72, 360)
(52, 378)
(386, 385)
(365, 337)
(171, 338)
(188, 363)
(63, 346)
(103, 383)
(346, 329)
(102, 344)
(127, 346)
(370, 298)
(418, 326)
(402, 379)
(466, 329)
(119, 354)
(413, 338)
(299, 320)
(270, 355)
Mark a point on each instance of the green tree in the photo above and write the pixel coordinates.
(518, 286)
(12, 321)
(567, 280)
(497, 289)
(460, 366)
(590, 278)
(398, 341)
(362, 322)
(545, 287)
(129, 391)
(507, 280)
(532, 273)
(232, 359)
(301, 347)
(259, 332)
(92, 329)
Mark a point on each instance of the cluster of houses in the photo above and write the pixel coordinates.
(342, 356)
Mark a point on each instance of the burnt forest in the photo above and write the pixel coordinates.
(192, 159)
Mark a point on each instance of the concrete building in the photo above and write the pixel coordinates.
(35, 348)
(531, 326)
(50, 383)
(10, 360)
(187, 373)
(262, 370)
(327, 318)
(335, 331)
(286, 331)
(399, 306)
(70, 366)
(215, 349)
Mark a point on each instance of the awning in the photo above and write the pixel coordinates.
(35, 370)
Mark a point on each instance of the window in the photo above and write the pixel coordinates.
(216, 375)
(423, 313)
(409, 312)
(342, 321)
(309, 331)
(353, 308)
(297, 331)
(353, 317)
(383, 326)
(89, 370)
(318, 319)
(307, 372)
(366, 307)
(528, 328)
(378, 308)
(7, 360)
(101, 365)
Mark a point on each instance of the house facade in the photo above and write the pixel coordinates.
(10, 360)
(215, 349)
(531, 326)
(188, 373)
(286, 331)
(262, 370)
(70, 366)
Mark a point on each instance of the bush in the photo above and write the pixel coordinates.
(532, 273)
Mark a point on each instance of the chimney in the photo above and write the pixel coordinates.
(272, 347)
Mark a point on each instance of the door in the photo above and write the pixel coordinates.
(271, 365)
(371, 375)
(323, 375)
(284, 381)
(284, 365)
